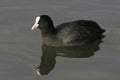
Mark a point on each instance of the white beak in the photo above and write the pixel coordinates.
(35, 26)
(36, 23)
(37, 71)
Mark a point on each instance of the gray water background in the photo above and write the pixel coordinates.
(20, 48)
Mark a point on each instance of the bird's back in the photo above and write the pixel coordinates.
(79, 31)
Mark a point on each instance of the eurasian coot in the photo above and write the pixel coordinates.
(73, 33)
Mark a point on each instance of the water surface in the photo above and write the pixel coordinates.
(20, 48)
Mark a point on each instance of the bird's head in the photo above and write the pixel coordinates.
(42, 22)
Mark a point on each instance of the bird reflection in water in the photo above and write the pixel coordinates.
(50, 53)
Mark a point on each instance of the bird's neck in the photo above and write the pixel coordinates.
(50, 40)
(48, 30)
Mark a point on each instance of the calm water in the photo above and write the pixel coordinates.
(20, 49)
